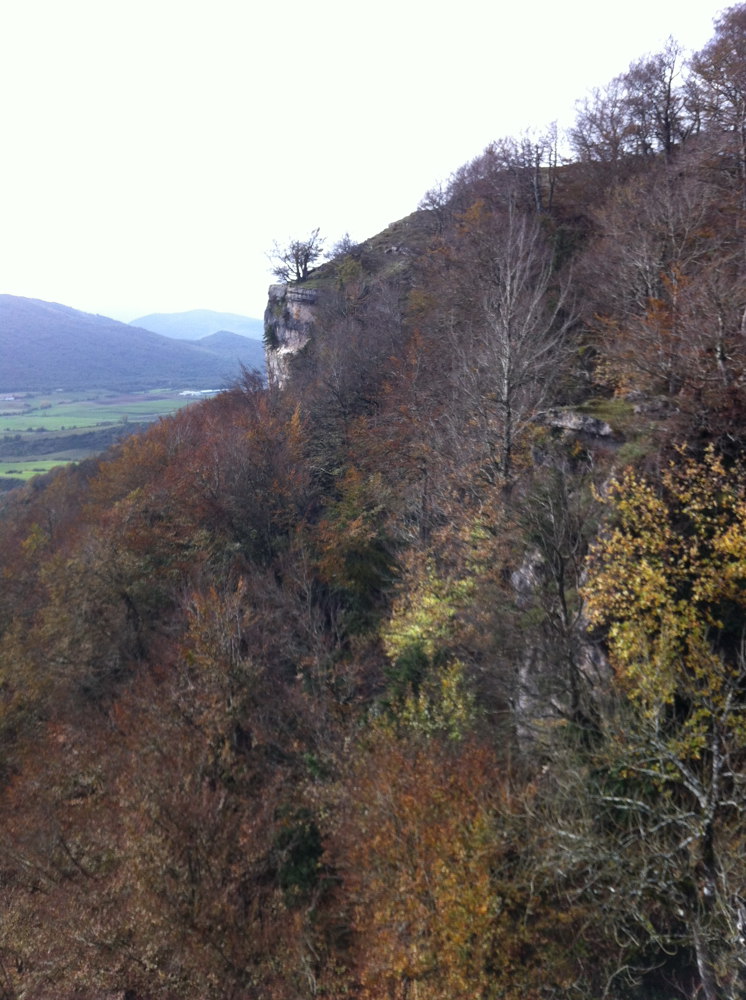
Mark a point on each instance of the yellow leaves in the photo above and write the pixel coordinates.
(436, 849)
(729, 548)
(423, 615)
(444, 706)
(419, 852)
(668, 577)
(426, 679)
(35, 541)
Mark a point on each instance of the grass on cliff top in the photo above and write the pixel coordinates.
(383, 255)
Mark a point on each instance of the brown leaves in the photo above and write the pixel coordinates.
(434, 844)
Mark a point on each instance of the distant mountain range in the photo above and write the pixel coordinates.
(46, 346)
(199, 323)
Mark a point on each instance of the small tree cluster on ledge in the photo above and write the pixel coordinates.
(293, 261)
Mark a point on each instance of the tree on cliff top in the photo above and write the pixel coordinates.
(292, 262)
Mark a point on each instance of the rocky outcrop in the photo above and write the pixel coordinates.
(289, 322)
(578, 423)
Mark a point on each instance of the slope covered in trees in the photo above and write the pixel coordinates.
(422, 676)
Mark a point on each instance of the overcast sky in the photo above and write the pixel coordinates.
(153, 150)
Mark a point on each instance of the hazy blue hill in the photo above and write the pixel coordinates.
(234, 347)
(199, 323)
(45, 346)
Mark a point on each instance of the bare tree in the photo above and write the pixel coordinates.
(600, 134)
(525, 167)
(515, 334)
(719, 86)
(638, 113)
(656, 102)
(292, 262)
(664, 287)
(343, 246)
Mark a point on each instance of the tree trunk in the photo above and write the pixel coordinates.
(704, 965)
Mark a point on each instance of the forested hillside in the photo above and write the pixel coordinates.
(421, 676)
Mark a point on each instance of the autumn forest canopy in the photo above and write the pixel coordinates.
(419, 674)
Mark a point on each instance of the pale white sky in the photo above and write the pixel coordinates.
(151, 151)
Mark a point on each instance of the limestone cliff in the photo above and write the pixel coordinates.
(288, 326)
(292, 310)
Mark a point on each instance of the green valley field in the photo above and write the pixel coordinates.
(41, 431)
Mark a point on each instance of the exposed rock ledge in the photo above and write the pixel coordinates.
(289, 321)
(580, 423)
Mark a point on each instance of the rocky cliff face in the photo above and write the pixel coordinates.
(289, 321)
(292, 310)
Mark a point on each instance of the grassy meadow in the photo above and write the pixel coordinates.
(41, 431)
